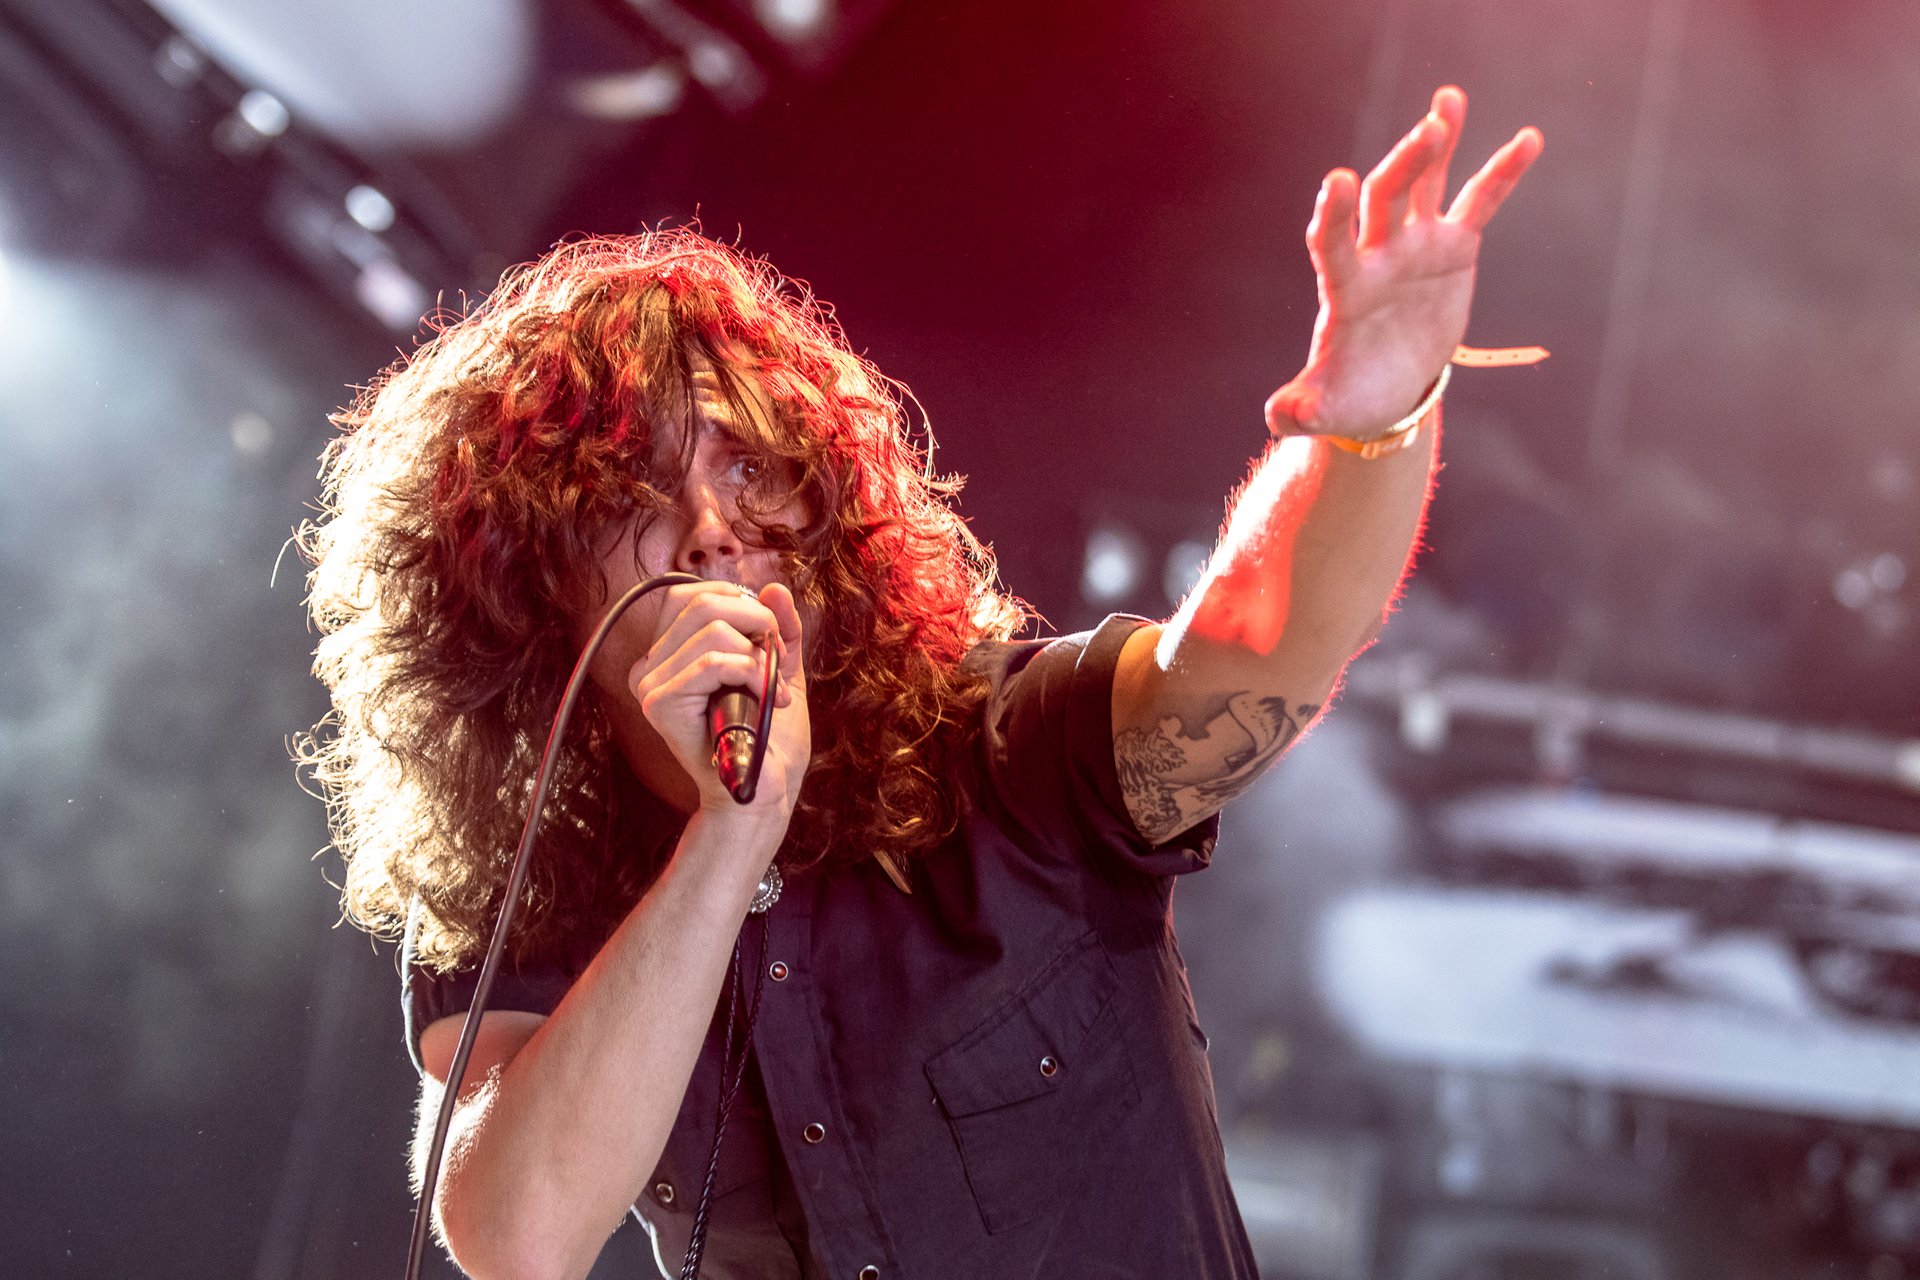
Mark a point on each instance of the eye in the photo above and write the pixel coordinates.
(749, 469)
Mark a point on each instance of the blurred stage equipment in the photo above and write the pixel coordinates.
(402, 156)
(1310, 1202)
(1639, 936)
(1562, 720)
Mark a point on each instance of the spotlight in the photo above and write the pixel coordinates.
(715, 65)
(793, 19)
(265, 114)
(390, 292)
(1111, 571)
(329, 232)
(714, 60)
(257, 119)
(1186, 561)
(252, 434)
(370, 208)
(179, 63)
(1867, 580)
(632, 95)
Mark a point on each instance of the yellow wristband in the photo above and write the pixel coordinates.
(1400, 434)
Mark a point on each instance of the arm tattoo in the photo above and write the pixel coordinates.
(1145, 761)
(1199, 757)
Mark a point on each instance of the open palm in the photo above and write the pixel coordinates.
(1395, 275)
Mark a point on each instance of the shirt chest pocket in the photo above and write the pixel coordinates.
(1033, 1090)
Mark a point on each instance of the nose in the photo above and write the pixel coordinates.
(709, 545)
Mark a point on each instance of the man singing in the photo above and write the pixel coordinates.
(929, 968)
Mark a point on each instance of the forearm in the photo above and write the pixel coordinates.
(1315, 546)
(549, 1153)
(1318, 539)
(1314, 550)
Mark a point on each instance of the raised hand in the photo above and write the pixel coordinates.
(1395, 277)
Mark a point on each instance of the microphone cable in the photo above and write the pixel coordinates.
(516, 882)
(730, 1077)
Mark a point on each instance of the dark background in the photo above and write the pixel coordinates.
(1074, 229)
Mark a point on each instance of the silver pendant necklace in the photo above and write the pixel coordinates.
(767, 893)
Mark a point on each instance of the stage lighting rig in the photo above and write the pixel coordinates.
(147, 143)
(712, 58)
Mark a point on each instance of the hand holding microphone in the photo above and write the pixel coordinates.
(699, 688)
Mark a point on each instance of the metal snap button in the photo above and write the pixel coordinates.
(778, 971)
(815, 1132)
(869, 1272)
(1049, 1065)
(663, 1192)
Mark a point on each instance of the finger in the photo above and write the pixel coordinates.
(778, 598)
(792, 636)
(705, 675)
(1488, 189)
(1384, 196)
(658, 669)
(693, 607)
(1430, 188)
(1330, 235)
(783, 694)
(717, 636)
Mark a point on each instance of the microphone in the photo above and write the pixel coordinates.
(739, 721)
(733, 717)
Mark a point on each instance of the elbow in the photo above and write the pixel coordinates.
(493, 1266)
(511, 1267)
(497, 1219)
(490, 1257)
(496, 1242)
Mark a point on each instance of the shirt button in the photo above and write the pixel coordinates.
(815, 1132)
(869, 1273)
(663, 1192)
(777, 971)
(1049, 1065)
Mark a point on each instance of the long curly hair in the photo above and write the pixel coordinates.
(466, 505)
